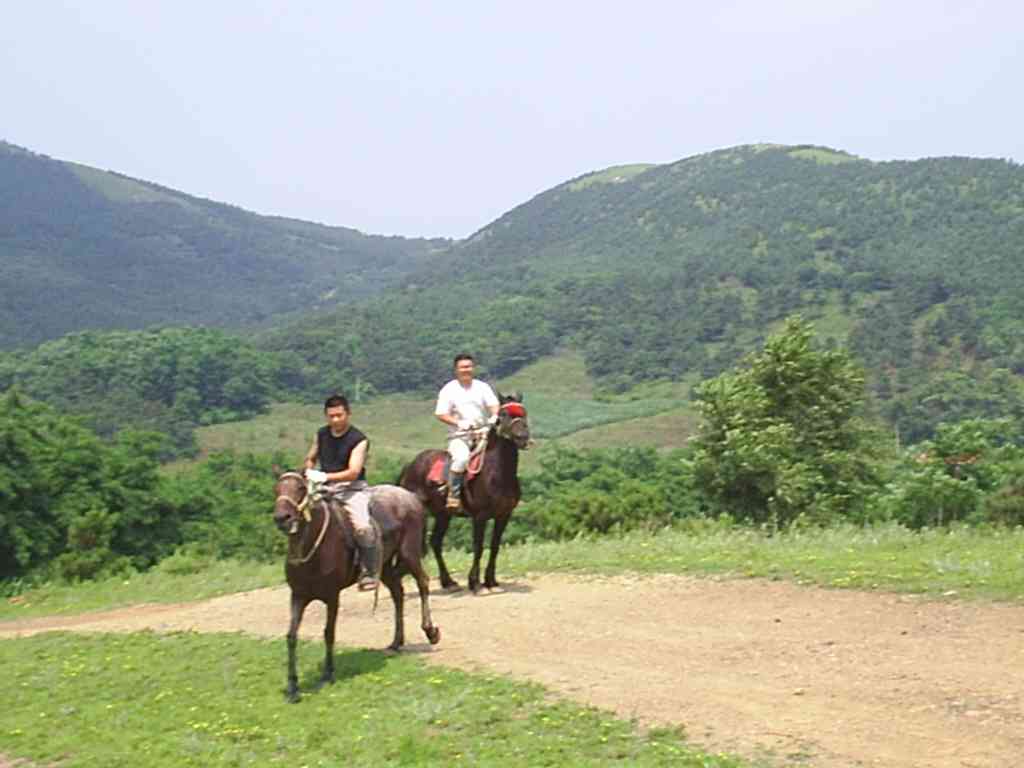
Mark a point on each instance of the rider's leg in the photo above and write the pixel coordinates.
(459, 451)
(358, 508)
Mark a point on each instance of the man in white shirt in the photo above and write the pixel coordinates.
(465, 404)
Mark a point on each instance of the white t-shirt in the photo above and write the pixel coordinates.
(470, 404)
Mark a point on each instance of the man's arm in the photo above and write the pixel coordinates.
(311, 455)
(491, 400)
(356, 461)
(448, 419)
(442, 411)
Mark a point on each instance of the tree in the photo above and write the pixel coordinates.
(781, 437)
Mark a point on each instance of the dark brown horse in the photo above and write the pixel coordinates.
(493, 493)
(321, 559)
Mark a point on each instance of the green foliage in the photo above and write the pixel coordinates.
(781, 439)
(168, 380)
(226, 502)
(593, 492)
(922, 402)
(970, 472)
(72, 504)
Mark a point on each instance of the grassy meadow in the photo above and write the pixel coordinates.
(971, 563)
(559, 397)
(216, 700)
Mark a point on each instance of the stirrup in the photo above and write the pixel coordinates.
(452, 502)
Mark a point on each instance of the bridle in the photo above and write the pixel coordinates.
(303, 509)
(515, 414)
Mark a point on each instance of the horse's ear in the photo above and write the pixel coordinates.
(517, 396)
(276, 469)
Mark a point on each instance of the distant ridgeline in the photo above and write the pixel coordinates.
(678, 270)
(653, 272)
(82, 248)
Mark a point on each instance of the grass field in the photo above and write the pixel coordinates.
(216, 700)
(560, 399)
(970, 562)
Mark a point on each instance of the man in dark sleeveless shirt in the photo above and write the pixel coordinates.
(341, 451)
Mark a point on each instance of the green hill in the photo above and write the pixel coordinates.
(673, 272)
(82, 248)
(656, 277)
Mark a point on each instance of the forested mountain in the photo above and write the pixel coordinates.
(669, 272)
(675, 271)
(82, 248)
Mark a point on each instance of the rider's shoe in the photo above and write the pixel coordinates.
(369, 562)
(453, 503)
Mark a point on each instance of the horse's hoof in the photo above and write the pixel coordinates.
(393, 648)
(492, 585)
(325, 681)
(452, 587)
(434, 635)
(293, 697)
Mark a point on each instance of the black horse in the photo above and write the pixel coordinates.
(493, 493)
(321, 559)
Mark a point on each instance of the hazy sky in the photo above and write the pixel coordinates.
(435, 118)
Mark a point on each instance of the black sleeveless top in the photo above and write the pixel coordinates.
(334, 452)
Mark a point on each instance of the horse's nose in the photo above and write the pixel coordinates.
(281, 518)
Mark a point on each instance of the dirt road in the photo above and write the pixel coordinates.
(765, 669)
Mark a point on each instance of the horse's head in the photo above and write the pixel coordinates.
(512, 423)
(291, 503)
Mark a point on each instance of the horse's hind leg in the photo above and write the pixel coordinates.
(298, 607)
(327, 676)
(423, 585)
(441, 520)
(392, 579)
(499, 528)
(413, 563)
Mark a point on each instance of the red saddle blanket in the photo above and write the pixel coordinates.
(438, 473)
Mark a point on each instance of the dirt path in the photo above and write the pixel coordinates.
(805, 676)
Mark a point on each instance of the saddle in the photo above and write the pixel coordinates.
(439, 469)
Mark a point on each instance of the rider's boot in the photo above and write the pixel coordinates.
(454, 501)
(369, 560)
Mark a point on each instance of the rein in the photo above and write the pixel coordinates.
(316, 544)
(303, 508)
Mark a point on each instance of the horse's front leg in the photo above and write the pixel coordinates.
(499, 528)
(298, 607)
(441, 520)
(479, 526)
(327, 676)
(393, 581)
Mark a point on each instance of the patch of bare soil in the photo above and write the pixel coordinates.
(770, 670)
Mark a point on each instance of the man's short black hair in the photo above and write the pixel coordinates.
(463, 356)
(335, 400)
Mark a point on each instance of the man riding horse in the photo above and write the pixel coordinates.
(466, 405)
(341, 451)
